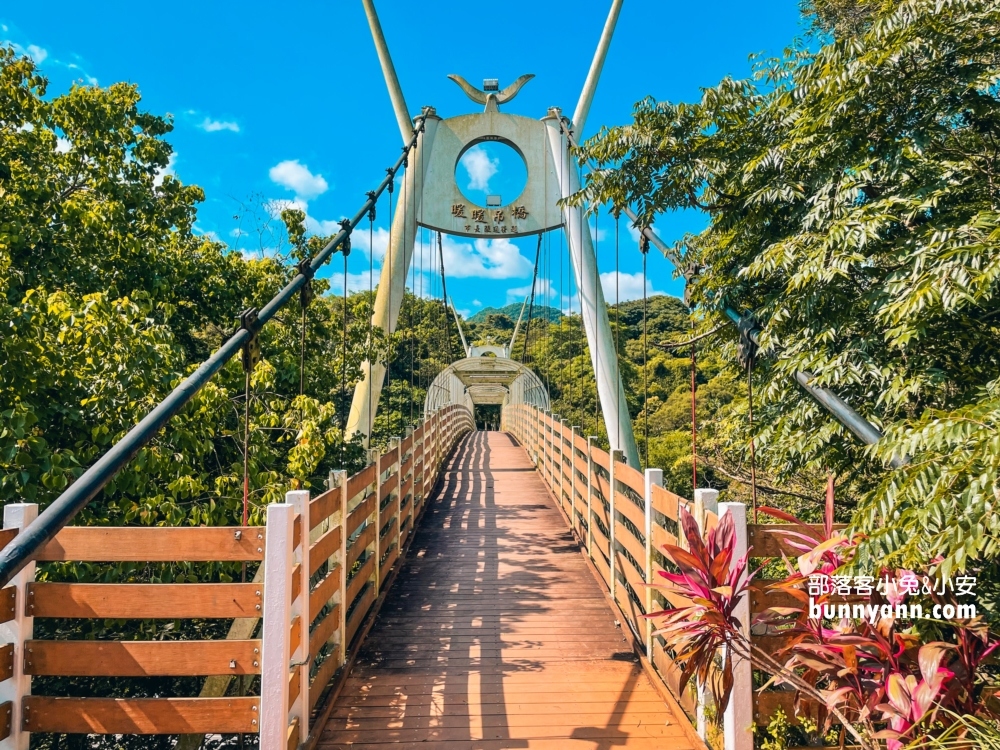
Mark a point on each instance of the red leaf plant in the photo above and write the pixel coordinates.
(705, 631)
(866, 670)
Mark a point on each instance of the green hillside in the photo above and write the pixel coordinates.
(513, 310)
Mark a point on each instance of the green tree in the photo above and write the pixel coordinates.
(853, 194)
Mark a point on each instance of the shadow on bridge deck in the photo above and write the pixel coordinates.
(495, 634)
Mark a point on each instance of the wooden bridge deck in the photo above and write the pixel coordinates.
(496, 634)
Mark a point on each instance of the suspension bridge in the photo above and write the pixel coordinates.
(467, 589)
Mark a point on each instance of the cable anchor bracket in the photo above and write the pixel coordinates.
(251, 349)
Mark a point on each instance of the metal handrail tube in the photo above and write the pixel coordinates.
(19, 552)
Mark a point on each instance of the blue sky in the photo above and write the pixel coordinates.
(286, 103)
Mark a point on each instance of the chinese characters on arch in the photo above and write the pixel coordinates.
(489, 221)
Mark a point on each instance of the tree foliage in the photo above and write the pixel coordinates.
(853, 194)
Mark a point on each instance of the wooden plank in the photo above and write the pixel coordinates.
(7, 536)
(631, 511)
(171, 601)
(158, 544)
(294, 685)
(766, 543)
(141, 715)
(405, 446)
(359, 545)
(357, 516)
(387, 460)
(360, 481)
(8, 603)
(386, 566)
(324, 630)
(296, 581)
(386, 488)
(662, 537)
(360, 578)
(324, 591)
(358, 615)
(323, 506)
(324, 548)
(630, 477)
(141, 658)
(666, 502)
(321, 679)
(293, 728)
(6, 661)
(635, 548)
(295, 634)
(601, 458)
(6, 719)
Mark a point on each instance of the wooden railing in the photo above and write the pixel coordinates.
(623, 532)
(322, 563)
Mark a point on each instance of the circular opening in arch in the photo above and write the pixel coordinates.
(491, 173)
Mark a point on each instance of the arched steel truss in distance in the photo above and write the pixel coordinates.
(486, 380)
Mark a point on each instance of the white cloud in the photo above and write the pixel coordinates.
(476, 303)
(167, 171)
(356, 282)
(482, 258)
(543, 289)
(379, 241)
(463, 314)
(295, 176)
(480, 167)
(38, 54)
(629, 286)
(63, 145)
(214, 126)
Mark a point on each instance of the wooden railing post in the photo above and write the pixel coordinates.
(572, 476)
(275, 639)
(338, 479)
(615, 456)
(590, 494)
(562, 465)
(301, 659)
(653, 478)
(737, 721)
(15, 631)
(705, 501)
(378, 516)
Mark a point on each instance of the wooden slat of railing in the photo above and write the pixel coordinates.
(601, 458)
(157, 544)
(294, 686)
(6, 661)
(666, 502)
(661, 537)
(766, 704)
(323, 506)
(295, 634)
(358, 516)
(355, 585)
(387, 460)
(360, 480)
(387, 487)
(365, 538)
(126, 601)
(407, 443)
(630, 477)
(7, 536)
(358, 615)
(8, 603)
(324, 630)
(141, 658)
(321, 679)
(322, 594)
(626, 539)
(141, 715)
(671, 674)
(630, 510)
(387, 565)
(293, 732)
(601, 564)
(324, 548)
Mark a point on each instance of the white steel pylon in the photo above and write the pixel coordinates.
(431, 198)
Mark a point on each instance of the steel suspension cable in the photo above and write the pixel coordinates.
(17, 554)
(343, 378)
(531, 304)
(644, 249)
(618, 328)
(444, 302)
